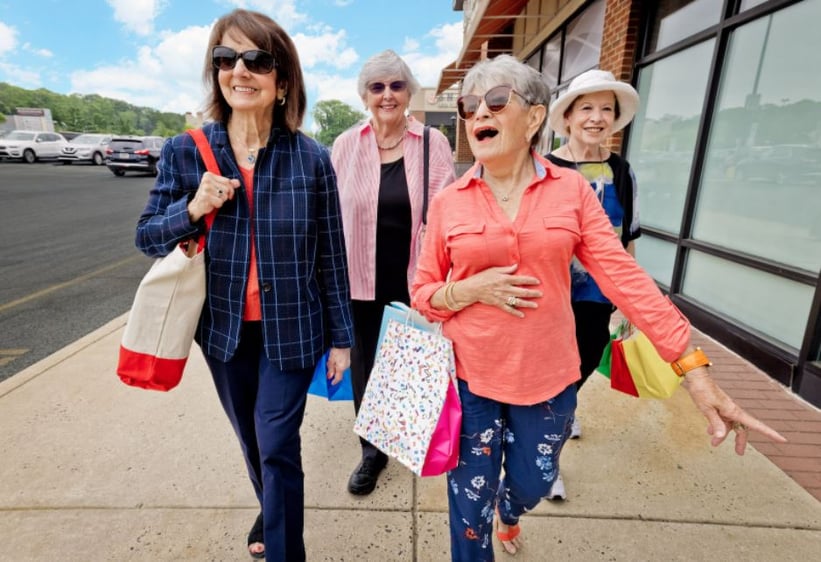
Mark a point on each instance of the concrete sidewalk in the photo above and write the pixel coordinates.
(94, 470)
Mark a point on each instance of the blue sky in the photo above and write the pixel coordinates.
(150, 52)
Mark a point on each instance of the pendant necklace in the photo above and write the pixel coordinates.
(251, 156)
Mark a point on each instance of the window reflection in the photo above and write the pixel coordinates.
(761, 185)
(657, 257)
(677, 19)
(746, 295)
(550, 60)
(583, 42)
(747, 4)
(663, 136)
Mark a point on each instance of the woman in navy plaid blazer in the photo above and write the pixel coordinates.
(277, 279)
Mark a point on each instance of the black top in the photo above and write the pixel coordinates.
(393, 234)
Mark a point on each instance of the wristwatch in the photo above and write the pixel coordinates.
(696, 358)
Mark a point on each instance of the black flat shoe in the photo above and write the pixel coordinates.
(363, 479)
(256, 536)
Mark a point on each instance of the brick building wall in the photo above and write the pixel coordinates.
(620, 46)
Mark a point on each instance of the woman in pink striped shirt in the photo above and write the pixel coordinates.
(495, 269)
(380, 176)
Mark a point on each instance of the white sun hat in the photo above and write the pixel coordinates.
(587, 83)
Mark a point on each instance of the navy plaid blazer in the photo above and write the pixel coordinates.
(302, 265)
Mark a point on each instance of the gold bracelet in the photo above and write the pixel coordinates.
(450, 301)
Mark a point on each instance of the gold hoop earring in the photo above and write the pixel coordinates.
(282, 100)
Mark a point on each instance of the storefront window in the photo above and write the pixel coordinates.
(761, 185)
(551, 54)
(583, 41)
(663, 136)
(657, 257)
(768, 304)
(747, 4)
(677, 19)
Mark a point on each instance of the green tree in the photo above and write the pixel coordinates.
(92, 113)
(333, 117)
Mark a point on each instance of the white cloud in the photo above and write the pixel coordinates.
(327, 47)
(284, 12)
(22, 78)
(167, 77)
(45, 53)
(8, 38)
(428, 67)
(137, 15)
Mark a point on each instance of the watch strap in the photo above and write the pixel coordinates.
(687, 363)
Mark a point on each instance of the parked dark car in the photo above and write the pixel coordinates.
(781, 164)
(133, 154)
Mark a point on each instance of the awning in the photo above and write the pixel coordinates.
(484, 26)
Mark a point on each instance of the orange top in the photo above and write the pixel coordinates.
(529, 360)
(253, 308)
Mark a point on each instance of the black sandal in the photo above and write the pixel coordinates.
(256, 536)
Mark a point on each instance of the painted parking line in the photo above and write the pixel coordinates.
(69, 283)
(9, 355)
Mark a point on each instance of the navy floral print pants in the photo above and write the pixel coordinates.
(525, 441)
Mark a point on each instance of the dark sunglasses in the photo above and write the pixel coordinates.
(496, 99)
(377, 88)
(256, 61)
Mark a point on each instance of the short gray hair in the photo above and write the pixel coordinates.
(383, 65)
(506, 69)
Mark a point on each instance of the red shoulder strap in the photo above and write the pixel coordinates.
(210, 164)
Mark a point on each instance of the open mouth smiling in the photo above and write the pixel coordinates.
(485, 133)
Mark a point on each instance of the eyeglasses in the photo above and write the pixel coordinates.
(256, 61)
(496, 99)
(377, 88)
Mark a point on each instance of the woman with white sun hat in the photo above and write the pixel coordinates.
(593, 107)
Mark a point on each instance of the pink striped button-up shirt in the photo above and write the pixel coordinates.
(355, 157)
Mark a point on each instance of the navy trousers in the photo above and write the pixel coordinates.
(526, 442)
(265, 406)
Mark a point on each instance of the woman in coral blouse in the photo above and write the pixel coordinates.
(495, 269)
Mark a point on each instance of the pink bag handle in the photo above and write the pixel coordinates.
(211, 165)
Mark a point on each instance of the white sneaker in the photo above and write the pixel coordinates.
(557, 492)
(575, 428)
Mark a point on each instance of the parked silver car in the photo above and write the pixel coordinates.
(31, 146)
(89, 147)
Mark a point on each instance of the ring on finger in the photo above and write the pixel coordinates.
(512, 302)
(739, 427)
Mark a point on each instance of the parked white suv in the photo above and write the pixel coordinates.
(86, 148)
(31, 145)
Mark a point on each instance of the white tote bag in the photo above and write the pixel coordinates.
(166, 310)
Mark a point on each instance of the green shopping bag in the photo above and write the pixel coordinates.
(605, 362)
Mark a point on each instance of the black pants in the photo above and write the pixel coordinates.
(592, 334)
(367, 319)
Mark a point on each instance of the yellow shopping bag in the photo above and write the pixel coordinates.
(652, 375)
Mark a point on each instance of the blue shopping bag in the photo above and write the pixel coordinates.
(321, 385)
(404, 314)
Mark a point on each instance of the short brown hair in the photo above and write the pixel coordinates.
(266, 34)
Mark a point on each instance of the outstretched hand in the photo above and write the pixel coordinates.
(722, 413)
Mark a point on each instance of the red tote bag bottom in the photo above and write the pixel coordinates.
(147, 371)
